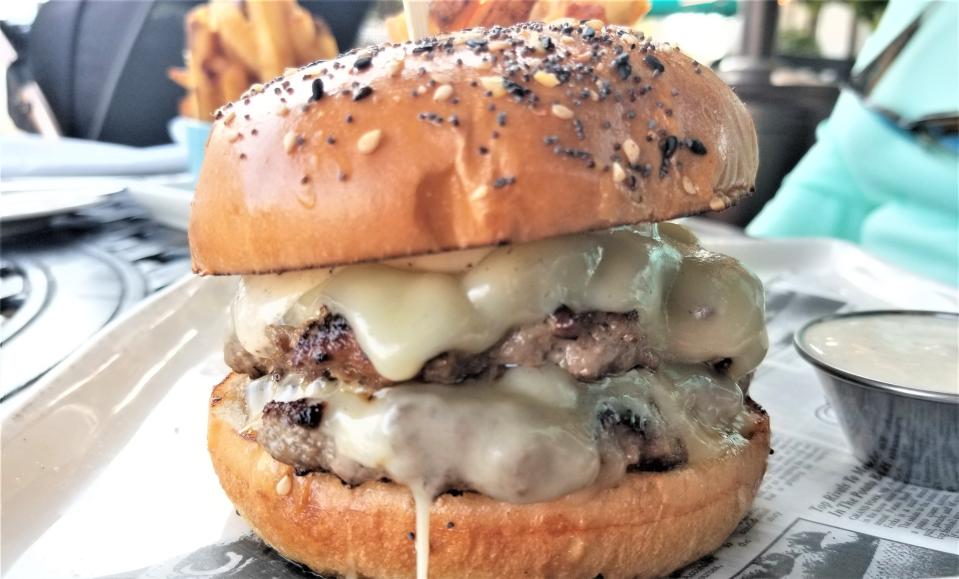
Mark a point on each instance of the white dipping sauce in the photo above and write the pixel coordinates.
(917, 351)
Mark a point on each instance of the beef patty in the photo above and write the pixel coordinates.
(588, 345)
(290, 432)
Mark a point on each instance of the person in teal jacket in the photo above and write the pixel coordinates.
(876, 176)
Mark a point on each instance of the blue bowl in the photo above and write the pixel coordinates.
(194, 135)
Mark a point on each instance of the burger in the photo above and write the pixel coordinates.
(465, 340)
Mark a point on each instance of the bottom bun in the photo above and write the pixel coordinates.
(648, 525)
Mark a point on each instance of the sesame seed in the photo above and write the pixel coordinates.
(619, 175)
(363, 62)
(595, 24)
(561, 112)
(369, 141)
(289, 141)
(307, 198)
(498, 45)
(362, 92)
(501, 119)
(443, 92)
(479, 193)
(394, 67)
(688, 186)
(317, 89)
(256, 87)
(228, 119)
(494, 84)
(654, 64)
(622, 66)
(234, 136)
(669, 147)
(284, 485)
(411, 535)
(631, 149)
(282, 110)
(450, 525)
(717, 204)
(696, 147)
(483, 150)
(546, 79)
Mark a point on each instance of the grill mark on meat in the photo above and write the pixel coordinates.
(645, 442)
(328, 346)
(589, 346)
(297, 413)
(290, 433)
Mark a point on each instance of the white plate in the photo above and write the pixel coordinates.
(104, 462)
(31, 198)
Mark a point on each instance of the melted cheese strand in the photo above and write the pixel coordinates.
(422, 500)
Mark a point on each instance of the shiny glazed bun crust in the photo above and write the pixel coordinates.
(483, 137)
(646, 526)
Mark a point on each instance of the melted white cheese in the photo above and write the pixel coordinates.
(264, 300)
(694, 306)
(533, 435)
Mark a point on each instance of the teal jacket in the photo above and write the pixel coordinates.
(866, 182)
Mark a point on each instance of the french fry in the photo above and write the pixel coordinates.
(502, 12)
(453, 14)
(180, 76)
(450, 15)
(302, 35)
(269, 19)
(229, 49)
(325, 44)
(187, 108)
(396, 27)
(235, 33)
(233, 80)
(627, 13)
(201, 42)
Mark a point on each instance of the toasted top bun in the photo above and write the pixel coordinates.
(490, 136)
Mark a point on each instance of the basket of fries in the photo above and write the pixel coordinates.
(232, 45)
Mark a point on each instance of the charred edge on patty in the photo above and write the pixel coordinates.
(588, 345)
(289, 432)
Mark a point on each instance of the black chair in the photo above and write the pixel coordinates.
(102, 64)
